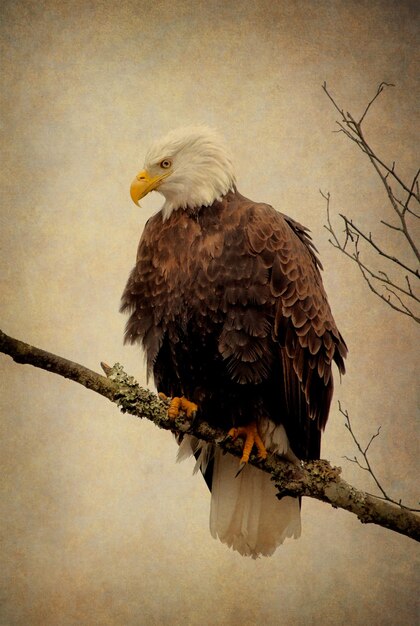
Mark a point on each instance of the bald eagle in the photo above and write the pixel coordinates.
(227, 300)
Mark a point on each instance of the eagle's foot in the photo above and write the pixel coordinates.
(252, 436)
(178, 404)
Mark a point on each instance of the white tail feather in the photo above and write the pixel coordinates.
(191, 445)
(245, 513)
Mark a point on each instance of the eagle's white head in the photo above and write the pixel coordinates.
(191, 167)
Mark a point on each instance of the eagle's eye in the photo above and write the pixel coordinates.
(166, 163)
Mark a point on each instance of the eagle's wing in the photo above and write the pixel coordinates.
(144, 296)
(304, 327)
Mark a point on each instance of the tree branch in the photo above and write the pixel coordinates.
(364, 452)
(352, 226)
(378, 281)
(313, 479)
(405, 228)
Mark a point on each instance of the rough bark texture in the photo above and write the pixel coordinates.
(314, 479)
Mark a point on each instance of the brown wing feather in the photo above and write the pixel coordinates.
(304, 326)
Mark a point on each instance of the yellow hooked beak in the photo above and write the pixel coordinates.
(143, 184)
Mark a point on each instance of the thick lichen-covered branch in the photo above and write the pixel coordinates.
(314, 479)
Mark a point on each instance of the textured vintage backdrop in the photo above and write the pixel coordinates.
(100, 526)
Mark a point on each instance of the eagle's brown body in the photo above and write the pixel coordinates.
(229, 305)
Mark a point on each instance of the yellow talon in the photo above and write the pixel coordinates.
(250, 432)
(177, 405)
(174, 408)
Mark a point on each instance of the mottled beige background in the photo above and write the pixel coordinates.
(100, 526)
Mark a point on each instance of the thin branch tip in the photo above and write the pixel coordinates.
(106, 368)
(368, 467)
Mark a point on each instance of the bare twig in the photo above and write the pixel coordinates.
(364, 452)
(378, 281)
(397, 228)
(375, 246)
(314, 479)
(353, 131)
(380, 89)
